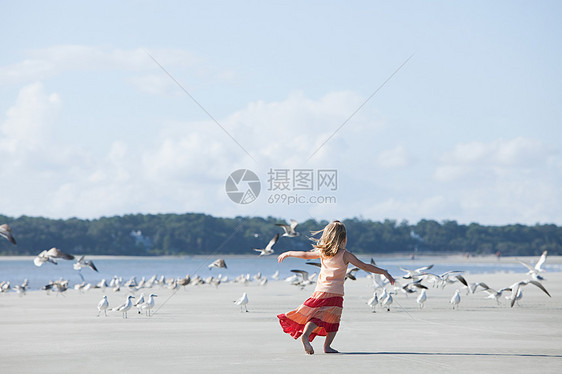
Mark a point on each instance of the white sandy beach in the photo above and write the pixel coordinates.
(199, 329)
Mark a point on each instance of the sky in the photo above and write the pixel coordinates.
(371, 109)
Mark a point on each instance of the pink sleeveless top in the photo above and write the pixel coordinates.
(332, 274)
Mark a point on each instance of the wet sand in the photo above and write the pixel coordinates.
(199, 329)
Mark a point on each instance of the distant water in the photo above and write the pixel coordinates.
(16, 270)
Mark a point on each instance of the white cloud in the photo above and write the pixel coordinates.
(184, 166)
(155, 84)
(513, 180)
(396, 157)
(481, 160)
(46, 62)
(29, 121)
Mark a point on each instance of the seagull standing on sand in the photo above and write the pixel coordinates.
(373, 301)
(6, 232)
(138, 303)
(289, 229)
(456, 299)
(242, 301)
(422, 298)
(124, 308)
(387, 301)
(149, 304)
(103, 305)
(269, 248)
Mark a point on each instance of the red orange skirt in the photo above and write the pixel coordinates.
(322, 308)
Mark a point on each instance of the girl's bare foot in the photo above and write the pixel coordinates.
(330, 350)
(307, 346)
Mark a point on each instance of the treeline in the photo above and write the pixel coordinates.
(191, 234)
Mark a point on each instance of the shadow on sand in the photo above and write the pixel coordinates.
(452, 354)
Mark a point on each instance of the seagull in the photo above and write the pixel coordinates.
(149, 304)
(184, 281)
(50, 256)
(269, 248)
(103, 305)
(422, 298)
(437, 280)
(304, 279)
(446, 277)
(59, 286)
(412, 287)
(350, 274)
(80, 263)
(383, 295)
(471, 287)
(5, 286)
(219, 263)
(242, 301)
(535, 270)
(493, 294)
(289, 229)
(378, 280)
(516, 287)
(456, 299)
(124, 308)
(387, 301)
(6, 232)
(414, 274)
(373, 301)
(139, 302)
(21, 288)
(518, 296)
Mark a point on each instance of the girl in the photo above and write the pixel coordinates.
(321, 313)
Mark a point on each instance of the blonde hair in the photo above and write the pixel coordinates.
(333, 237)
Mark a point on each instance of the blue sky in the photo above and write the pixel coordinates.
(468, 129)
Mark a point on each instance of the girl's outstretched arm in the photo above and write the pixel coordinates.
(350, 257)
(309, 255)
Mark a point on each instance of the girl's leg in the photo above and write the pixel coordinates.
(305, 335)
(329, 339)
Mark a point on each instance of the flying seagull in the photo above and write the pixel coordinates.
(80, 263)
(219, 263)
(289, 229)
(269, 248)
(414, 274)
(50, 256)
(516, 287)
(6, 232)
(537, 268)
